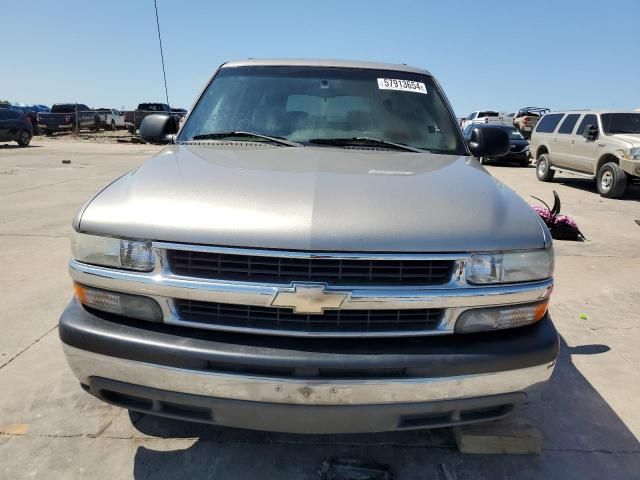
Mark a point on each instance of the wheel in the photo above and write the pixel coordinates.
(24, 137)
(113, 125)
(612, 180)
(543, 169)
(47, 132)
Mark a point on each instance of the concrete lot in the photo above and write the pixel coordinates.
(50, 428)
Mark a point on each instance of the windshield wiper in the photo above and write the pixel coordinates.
(364, 141)
(223, 135)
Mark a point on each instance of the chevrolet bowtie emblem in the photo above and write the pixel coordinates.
(308, 298)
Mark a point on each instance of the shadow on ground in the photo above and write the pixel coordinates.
(583, 439)
(9, 146)
(589, 185)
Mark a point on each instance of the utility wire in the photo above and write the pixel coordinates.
(164, 73)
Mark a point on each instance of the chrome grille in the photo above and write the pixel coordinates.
(336, 271)
(284, 320)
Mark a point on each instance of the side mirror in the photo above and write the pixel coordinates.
(489, 142)
(158, 128)
(590, 132)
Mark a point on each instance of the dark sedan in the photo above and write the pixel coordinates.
(15, 126)
(518, 145)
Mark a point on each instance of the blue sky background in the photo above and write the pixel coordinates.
(486, 54)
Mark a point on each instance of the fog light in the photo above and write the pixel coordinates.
(497, 318)
(133, 306)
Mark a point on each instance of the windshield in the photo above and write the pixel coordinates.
(515, 134)
(153, 107)
(620, 122)
(63, 109)
(301, 104)
(488, 114)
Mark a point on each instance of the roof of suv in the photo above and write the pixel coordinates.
(592, 111)
(306, 62)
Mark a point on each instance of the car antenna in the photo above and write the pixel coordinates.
(164, 73)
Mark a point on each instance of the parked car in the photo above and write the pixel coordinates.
(111, 118)
(527, 118)
(314, 253)
(181, 112)
(518, 146)
(483, 116)
(67, 117)
(32, 112)
(134, 118)
(507, 119)
(15, 126)
(599, 144)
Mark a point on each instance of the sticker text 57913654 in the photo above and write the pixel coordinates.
(402, 85)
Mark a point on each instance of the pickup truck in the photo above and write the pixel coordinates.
(483, 116)
(67, 117)
(527, 118)
(134, 118)
(111, 118)
(316, 251)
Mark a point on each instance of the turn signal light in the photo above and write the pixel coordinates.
(498, 318)
(132, 306)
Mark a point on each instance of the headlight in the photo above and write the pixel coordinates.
(498, 318)
(112, 252)
(509, 267)
(632, 154)
(133, 306)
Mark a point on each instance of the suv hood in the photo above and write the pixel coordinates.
(313, 198)
(632, 139)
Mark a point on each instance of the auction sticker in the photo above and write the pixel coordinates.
(402, 85)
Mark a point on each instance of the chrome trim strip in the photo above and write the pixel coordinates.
(303, 254)
(304, 392)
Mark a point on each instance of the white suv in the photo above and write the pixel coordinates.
(603, 145)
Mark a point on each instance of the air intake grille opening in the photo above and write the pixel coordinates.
(331, 321)
(335, 271)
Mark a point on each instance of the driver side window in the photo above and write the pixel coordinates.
(587, 120)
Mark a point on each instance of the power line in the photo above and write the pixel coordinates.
(164, 73)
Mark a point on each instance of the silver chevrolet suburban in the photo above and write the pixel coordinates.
(602, 145)
(315, 251)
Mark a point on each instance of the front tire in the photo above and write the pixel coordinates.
(543, 169)
(24, 137)
(612, 180)
(113, 125)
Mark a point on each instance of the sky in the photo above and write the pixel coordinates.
(489, 54)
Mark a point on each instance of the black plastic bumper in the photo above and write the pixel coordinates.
(424, 357)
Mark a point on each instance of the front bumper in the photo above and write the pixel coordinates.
(307, 385)
(514, 156)
(631, 167)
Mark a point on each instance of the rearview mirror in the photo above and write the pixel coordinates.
(590, 132)
(489, 142)
(158, 128)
